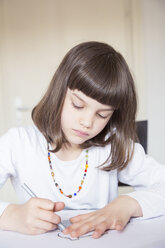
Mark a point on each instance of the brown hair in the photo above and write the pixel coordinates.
(101, 73)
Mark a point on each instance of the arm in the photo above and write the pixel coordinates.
(147, 177)
(36, 216)
(7, 160)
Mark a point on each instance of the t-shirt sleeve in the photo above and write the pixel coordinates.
(7, 161)
(147, 177)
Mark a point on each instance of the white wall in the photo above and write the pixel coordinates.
(154, 66)
(36, 34)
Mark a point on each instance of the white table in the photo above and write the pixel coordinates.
(137, 234)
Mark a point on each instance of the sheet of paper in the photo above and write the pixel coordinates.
(65, 216)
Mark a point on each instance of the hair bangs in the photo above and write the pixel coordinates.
(99, 81)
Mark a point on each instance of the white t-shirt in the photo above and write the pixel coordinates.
(24, 158)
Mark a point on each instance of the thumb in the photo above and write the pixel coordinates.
(58, 206)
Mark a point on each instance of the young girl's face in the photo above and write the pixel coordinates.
(82, 117)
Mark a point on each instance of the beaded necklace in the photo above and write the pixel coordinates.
(55, 182)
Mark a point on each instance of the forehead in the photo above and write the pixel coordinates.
(76, 94)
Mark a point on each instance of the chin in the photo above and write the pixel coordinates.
(77, 142)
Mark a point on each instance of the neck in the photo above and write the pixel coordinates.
(68, 153)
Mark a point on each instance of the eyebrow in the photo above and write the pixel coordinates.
(110, 109)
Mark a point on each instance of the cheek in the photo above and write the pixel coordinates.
(64, 115)
(100, 126)
(67, 115)
(65, 118)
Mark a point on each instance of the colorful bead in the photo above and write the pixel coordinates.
(56, 184)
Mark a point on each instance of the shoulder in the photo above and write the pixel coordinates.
(22, 135)
(138, 152)
(100, 154)
(137, 162)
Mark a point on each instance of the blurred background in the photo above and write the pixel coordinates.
(36, 34)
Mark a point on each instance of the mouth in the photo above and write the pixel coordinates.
(80, 133)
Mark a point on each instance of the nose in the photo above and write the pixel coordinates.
(87, 121)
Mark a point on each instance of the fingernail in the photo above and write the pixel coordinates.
(95, 234)
(65, 231)
(118, 227)
(73, 234)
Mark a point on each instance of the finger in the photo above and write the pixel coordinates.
(48, 216)
(79, 228)
(37, 231)
(100, 229)
(44, 225)
(58, 206)
(41, 203)
(86, 224)
(34, 231)
(85, 228)
(80, 217)
(119, 226)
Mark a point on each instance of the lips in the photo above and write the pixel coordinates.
(80, 133)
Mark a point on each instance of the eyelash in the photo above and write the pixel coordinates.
(77, 107)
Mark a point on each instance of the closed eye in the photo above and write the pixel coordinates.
(81, 107)
(76, 106)
(103, 117)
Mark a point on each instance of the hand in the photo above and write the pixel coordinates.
(36, 216)
(113, 216)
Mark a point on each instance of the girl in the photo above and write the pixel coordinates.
(81, 144)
